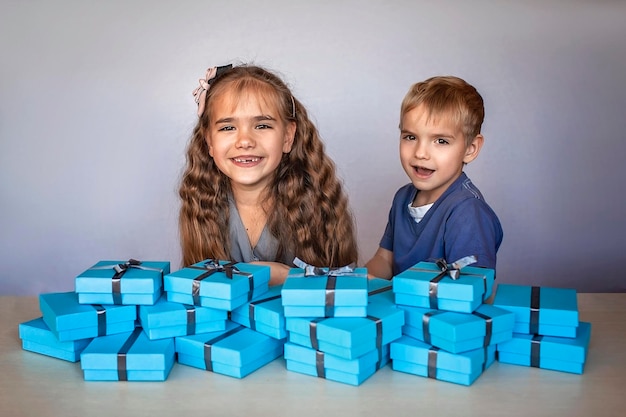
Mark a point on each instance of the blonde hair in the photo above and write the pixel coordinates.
(309, 213)
(448, 97)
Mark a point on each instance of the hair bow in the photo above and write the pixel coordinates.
(199, 94)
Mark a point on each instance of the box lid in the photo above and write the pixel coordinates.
(133, 350)
(109, 276)
(350, 331)
(561, 348)
(315, 290)
(424, 279)
(266, 308)
(222, 280)
(36, 330)
(414, 351)
(235, 346)
(166, 313)
(62, 311)
(545, 305)
(312, 357)
(453, 326)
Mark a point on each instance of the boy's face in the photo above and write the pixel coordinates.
(432, 153)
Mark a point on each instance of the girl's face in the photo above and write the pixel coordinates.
(247, 138)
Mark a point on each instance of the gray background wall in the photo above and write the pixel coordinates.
(96, 110)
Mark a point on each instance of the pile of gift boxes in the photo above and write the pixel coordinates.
(134, 320)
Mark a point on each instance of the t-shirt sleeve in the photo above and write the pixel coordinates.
(473, 229)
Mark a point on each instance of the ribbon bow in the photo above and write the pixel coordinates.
(311, 271)
(453, 270)
(131, 263)
(199, 94)
(213, 266)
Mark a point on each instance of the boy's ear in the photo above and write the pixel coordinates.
(473, 149)
(290, 134)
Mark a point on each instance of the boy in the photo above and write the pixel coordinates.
(440, 214)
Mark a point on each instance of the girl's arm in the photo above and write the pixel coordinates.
(278, 271)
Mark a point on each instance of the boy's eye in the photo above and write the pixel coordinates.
(408, 137)
(442, 141)
(263, 126)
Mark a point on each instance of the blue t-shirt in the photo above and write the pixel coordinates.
(460, 223)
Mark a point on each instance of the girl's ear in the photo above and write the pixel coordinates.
(473, 149)
(290, 134)
(207, 139)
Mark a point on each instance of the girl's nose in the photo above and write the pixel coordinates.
(244, 139)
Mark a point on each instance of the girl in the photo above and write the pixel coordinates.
(258, 185)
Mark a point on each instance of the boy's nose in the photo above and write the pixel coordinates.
(421, 150)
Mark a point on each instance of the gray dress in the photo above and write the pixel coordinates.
(240, 248)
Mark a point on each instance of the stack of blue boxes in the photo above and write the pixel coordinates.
(339, 323)
(133, 320)
(122, 325)
(547, 332)
(450, 333)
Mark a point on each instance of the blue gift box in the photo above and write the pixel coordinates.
(380, 290)
(459, 332)
(264, 314)
(237, 351)
(564, 354)
(68, 320)
(540, 310)
(415, 357)
(323, 365)
(426, 285)
(325, 295)
(349, 337)
(37, 337)
(222, 285)
(128, 356)
(129, 282)
(166, 319)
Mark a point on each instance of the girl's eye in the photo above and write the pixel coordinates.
(408, 137)
(263, 126)
(225, 128)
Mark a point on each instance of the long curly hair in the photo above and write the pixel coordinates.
(308, 211)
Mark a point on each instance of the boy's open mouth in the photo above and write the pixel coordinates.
(423, 172)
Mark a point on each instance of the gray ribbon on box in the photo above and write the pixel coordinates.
(380, 290)
(333, 273)
(319, 364)
(535, 351)
(122, 372)
(120, 270)
(452, 270)
(208, 360)
(488, 327)
(426, 325)
(534, 310)
(101, 313)
(432, 362)
(191, 319)
(313, 331)
(252, 306)
(379, 338)
(211, 267)
(485, 357)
